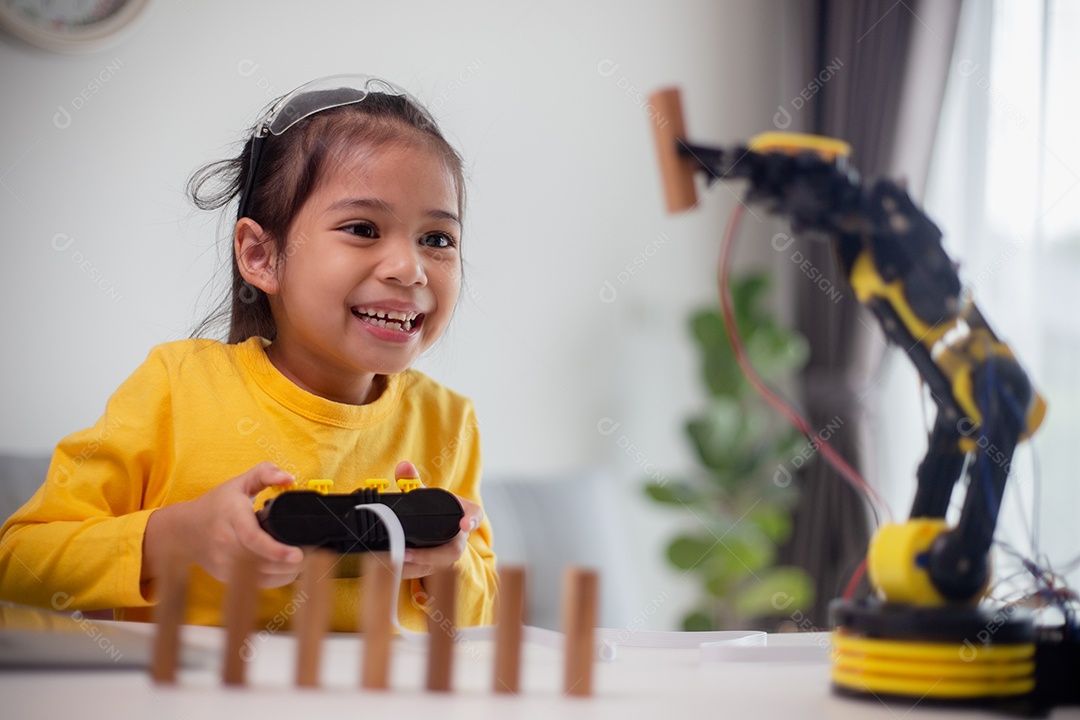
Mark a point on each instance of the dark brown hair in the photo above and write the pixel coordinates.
(289, 169)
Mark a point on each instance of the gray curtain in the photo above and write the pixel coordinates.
(889, 61)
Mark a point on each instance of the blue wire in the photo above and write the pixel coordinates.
(1013, 405)
(984, 462)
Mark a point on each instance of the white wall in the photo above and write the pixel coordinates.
(543, 99)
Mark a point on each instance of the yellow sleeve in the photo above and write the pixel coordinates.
(77, 543)
(477, 586)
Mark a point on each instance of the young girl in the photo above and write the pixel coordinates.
(346, 267)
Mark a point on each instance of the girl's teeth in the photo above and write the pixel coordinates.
(405, 319)
(404, 325)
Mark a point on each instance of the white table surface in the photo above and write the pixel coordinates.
(657, 684)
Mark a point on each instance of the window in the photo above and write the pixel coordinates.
(1005, 190)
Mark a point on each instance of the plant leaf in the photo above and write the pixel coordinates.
(742, 549)
(780, 591)
(674, 492)
(720, 371)
(775, 352)
(723, 578)
(746, 294)
(740, 557)
(717, 433)
(698, 622)
(772, 519)
(688, 551)
(744, 446)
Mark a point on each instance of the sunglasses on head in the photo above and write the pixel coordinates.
(309, 99)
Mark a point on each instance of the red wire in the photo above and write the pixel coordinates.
(723, 276)
(853, 583)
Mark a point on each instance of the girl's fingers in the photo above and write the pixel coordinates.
(474, 515)
(262, 476)
(415, 570)
(405, 469)
(255, 539)
(267, 580)
(279, 568)
(441, 556)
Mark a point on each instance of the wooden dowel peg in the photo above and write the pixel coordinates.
(172, 585)
(441, 611)
(508, 631)
(313, 616)
(241, 609)
(579, 621)
(378, 582)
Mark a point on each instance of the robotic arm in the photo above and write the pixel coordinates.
(893, 258)
(928, 576)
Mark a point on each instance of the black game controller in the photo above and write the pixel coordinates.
(429, 517)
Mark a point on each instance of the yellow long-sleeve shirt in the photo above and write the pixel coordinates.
(197, 413)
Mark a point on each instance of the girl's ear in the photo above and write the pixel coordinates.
(256, 256)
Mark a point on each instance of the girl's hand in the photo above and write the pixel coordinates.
(420, 562)
(214, 528)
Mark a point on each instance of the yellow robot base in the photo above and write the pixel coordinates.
(952, 654)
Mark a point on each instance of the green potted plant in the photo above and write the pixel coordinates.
(741, 515)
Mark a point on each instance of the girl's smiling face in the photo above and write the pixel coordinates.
(371, 270)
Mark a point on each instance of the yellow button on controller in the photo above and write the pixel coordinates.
(321, 486)
(379, 484)
(409, 484)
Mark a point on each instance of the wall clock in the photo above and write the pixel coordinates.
(70, 26)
